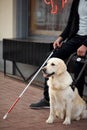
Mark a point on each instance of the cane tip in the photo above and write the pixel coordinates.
(5, 116)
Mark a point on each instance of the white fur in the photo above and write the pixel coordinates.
(64, 102)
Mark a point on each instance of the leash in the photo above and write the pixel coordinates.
(82, 60)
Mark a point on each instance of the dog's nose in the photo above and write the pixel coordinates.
(44, 69)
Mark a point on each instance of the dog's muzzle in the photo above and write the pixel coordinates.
(45, 74)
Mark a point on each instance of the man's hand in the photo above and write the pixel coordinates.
(82, 50)
(58, 42)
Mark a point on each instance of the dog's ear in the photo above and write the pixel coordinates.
(61, 67)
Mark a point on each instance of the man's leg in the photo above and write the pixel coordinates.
(44, 102)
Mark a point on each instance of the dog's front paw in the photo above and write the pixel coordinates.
(49, 120)
(67, 121)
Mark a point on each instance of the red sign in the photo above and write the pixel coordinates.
(54, 6)
(63, 3)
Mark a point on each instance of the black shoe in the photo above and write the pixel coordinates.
(43, 103)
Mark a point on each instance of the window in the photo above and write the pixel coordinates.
(43, 21)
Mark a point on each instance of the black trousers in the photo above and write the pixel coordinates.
(64, 52)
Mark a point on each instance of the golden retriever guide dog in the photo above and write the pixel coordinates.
(65, 103)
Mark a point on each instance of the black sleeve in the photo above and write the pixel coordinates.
(67, 29)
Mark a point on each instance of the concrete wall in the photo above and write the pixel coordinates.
(7, 19)
(7, 26)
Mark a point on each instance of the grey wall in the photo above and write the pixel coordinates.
(1, 61)
(21, 18)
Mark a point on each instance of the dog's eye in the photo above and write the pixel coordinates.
(53, 64)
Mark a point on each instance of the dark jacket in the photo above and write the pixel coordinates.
(73, 23)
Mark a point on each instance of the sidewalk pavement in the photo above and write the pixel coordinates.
(22, 117)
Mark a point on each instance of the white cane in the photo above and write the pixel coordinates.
(15, 102)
